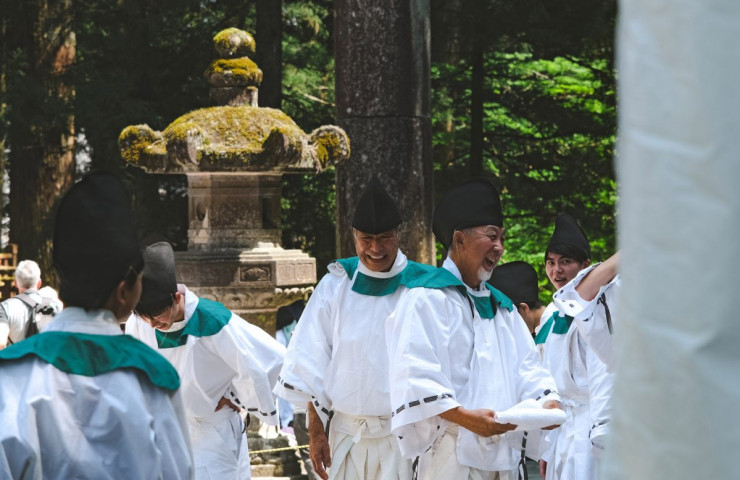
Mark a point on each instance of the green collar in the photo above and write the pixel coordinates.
(560, 326)
(92, 355)
(442, 278)
(208, 319)
(380, 287)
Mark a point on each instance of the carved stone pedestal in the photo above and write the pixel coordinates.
(233, 252)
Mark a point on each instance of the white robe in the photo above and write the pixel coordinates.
(337, 360)
(241, 362)
(443, 355)
(594, 319)
(56, 425)
(585, 387)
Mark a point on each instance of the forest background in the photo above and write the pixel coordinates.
(523, 92)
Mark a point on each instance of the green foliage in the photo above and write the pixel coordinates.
(309, 213)
(309, 201)
(549, 121)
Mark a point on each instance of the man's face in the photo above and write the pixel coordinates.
(479, 253)
(377, 252)
(530, 317)
(561, 269)
(164, 320)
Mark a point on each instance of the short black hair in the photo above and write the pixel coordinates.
(533, 305)
(570, 251)
(151, 310)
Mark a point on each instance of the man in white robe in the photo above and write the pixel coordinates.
(81, 400)
(591, 299)
(226, 364)
(459, 351)
(337, 361)
(518, 281)
(582, 378)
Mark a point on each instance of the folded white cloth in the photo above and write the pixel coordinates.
(529, 415)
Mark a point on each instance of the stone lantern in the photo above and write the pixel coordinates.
(234, 155)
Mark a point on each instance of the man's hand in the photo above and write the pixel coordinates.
(548, 405)
(225, 402)
(543, 468)
(479, 421)
(318, 444)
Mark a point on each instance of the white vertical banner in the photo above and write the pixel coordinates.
(676, 403)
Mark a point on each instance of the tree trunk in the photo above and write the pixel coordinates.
(270, 51)
(477, 78)
(41, 134)
(383, 96)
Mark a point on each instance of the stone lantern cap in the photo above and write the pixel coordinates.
(236, 135)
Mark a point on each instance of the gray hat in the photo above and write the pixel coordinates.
(158, 281)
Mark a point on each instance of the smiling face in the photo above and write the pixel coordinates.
(377, 252)
(477, 251)
(561, 269)
(165, 319)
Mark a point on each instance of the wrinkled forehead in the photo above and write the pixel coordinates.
(488, 230)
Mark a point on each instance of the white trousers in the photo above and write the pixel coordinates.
(220, 447)
(441, 463)
(363, 448)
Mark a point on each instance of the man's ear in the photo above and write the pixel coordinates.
(457, 238)
(38, 285)
(523, 308)
(120, 292)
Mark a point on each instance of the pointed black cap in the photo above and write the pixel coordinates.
(376, 212)
(472, 204)
(569, 239)
(517, 280)
(286, 314)
(158, 283)
(95, 243)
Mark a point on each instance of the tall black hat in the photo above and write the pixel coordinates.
(472, 204)
(517, 280)
(287, 313)
(95, 243)
(158, 282)
(569, 239)
(376, 212)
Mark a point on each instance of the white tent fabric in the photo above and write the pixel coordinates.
(678, 344)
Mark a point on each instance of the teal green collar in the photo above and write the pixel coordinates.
(380, 287)
(442, 278)
(93, 355)
(560, 325)
(208, 319)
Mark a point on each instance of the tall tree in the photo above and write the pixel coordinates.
(41, 47)
(270, 51)
(382, 89)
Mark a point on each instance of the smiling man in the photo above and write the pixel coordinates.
(337, 359)
(226, 364)
(582, 378)
(459, 351)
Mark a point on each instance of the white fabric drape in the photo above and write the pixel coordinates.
(675, 394)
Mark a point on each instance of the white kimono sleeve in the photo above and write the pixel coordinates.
(599, 391)
(594, 319)
(255, 358)
(307, 359)
(533, 379)
(420, 381)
